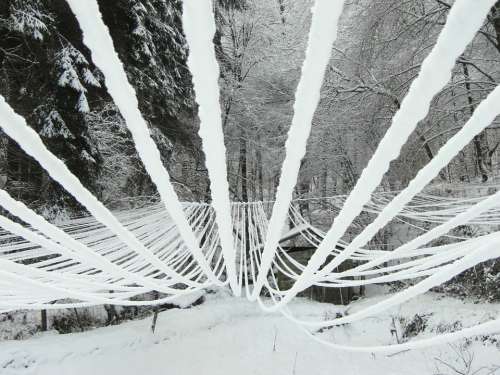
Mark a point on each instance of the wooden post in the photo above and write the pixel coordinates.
(155, 316)
(44, 323)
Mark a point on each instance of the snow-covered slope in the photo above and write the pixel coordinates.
(232, 336)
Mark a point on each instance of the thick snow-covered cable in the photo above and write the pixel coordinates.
(487, 249)
(322, 35)
(199, 27)
(445, 338)
(435, 73)
(434, 233)
(484, 115)
(97, 38)
(15, 127)
(80, 251)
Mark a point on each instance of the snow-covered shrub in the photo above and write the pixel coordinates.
(77, 321)
(414, 326)
(120, 161)
(28, 18)
(481, 281)
(461, 363)
(53, 126)
(17, 325)
(448, 327)
(74, 72)
(55, 213)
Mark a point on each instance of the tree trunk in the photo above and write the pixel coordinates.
(480, 141)
(281, 4)
(112, 314)
(78, 320)
(155, 315)
(44, 323)
(427, 147)
(324, 186)
(260, 171)
(495, 20)
(243, 169)
(155, 319)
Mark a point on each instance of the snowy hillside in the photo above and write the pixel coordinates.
(232, 336)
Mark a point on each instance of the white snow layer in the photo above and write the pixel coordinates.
(231, 336)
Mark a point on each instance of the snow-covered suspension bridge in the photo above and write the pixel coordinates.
(177, 248)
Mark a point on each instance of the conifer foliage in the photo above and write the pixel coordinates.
(47, 75)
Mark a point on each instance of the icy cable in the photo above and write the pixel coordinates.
(199, 27)
(323, 33)
(96, 37)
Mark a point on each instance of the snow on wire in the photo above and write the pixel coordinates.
(178, 248)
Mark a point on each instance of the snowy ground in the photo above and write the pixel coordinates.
(231, 336)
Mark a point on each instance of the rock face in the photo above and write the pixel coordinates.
(47, 75)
